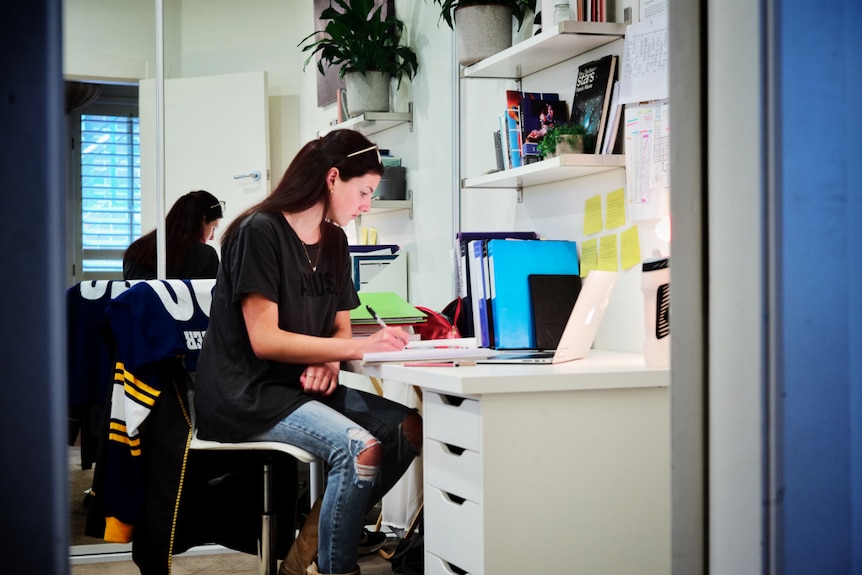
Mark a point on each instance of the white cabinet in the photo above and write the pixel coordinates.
(545, 469)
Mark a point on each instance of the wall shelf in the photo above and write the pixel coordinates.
(380, 206)
(555, 169)
(373, 122)
(546, 49)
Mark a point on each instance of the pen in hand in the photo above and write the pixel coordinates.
(376, 317)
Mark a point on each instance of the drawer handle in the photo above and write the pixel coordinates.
(454, 450)
(452, 498)
(452, 568)
(453, 400)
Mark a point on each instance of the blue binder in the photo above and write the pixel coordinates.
(510, 263)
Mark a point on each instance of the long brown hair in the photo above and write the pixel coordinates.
(183, 228)
(303, 184)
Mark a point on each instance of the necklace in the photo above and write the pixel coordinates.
(308, 257)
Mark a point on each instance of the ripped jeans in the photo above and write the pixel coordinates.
(337, 429)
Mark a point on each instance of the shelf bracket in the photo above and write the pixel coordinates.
(520, 192)
(410, 125)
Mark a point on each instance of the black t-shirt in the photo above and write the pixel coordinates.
(200, 263)
(237, 394)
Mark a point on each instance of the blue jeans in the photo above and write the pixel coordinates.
(336, 429)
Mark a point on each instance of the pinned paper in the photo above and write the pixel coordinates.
(616, 209)
(589, 256)
(372, 236)
(608, 256)
(593, 215)
(630, 249)
(363, 236)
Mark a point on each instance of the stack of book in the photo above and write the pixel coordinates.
(388, 306)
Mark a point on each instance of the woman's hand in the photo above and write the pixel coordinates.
(387, 339)
(320, 379)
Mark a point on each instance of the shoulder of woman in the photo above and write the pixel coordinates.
(261, 220)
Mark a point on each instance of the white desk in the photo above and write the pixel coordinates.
(545, 469)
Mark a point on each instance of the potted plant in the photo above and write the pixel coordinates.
(564, 139)
(368, 48)
(483, 27)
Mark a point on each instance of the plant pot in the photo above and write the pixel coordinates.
(570, 144)
(367, 93)
(482, 31)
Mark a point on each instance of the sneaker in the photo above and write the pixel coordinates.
(371, 541)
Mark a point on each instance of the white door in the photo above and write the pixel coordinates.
(215, 131)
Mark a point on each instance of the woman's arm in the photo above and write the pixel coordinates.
(270, 342)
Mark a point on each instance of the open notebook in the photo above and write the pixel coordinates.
(581, 328)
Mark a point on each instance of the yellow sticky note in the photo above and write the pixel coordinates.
(363, 236)
(372, 236)
(589, 256)
(616, 210)
(593, 215)
(608, 257)
(630, 248)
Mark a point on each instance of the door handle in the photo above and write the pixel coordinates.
(254, 175)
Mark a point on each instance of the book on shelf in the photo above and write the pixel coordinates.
(592, 10)
(592, 97)
(522, 101)
(537, 116)
(513, 129)
(504, 141)
(615, 113)
(498, 150)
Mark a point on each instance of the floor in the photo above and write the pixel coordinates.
(229, 563)
(208, 561)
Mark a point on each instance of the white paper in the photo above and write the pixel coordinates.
(647, 134)
(652, 9)
(645, 62)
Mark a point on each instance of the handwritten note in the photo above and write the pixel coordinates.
(608, 256)
(616, 209)
(630, 252)
(589, 256)
(593, 215)
(645, 62)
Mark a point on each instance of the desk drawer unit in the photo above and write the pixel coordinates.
(453, 469)
(436, 566)
(546, 471)
(453, 420)
(452, 460)
(453, 529)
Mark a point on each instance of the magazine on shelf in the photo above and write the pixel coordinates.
(592, 97)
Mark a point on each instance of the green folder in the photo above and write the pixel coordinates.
(388, 306)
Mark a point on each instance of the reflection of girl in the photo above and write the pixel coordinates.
(280, 326)
(191, 221)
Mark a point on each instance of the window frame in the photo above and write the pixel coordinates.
(114, 100)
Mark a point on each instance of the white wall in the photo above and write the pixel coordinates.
(556, 210)
(209, 37)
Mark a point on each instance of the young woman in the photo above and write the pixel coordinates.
(279, 328)
(190, 223)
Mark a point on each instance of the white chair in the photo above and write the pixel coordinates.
(268, 559)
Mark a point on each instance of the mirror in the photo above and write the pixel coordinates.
(212, 112)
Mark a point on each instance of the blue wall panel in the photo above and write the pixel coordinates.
(821, 263)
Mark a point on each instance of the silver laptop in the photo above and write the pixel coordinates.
(581, 328)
